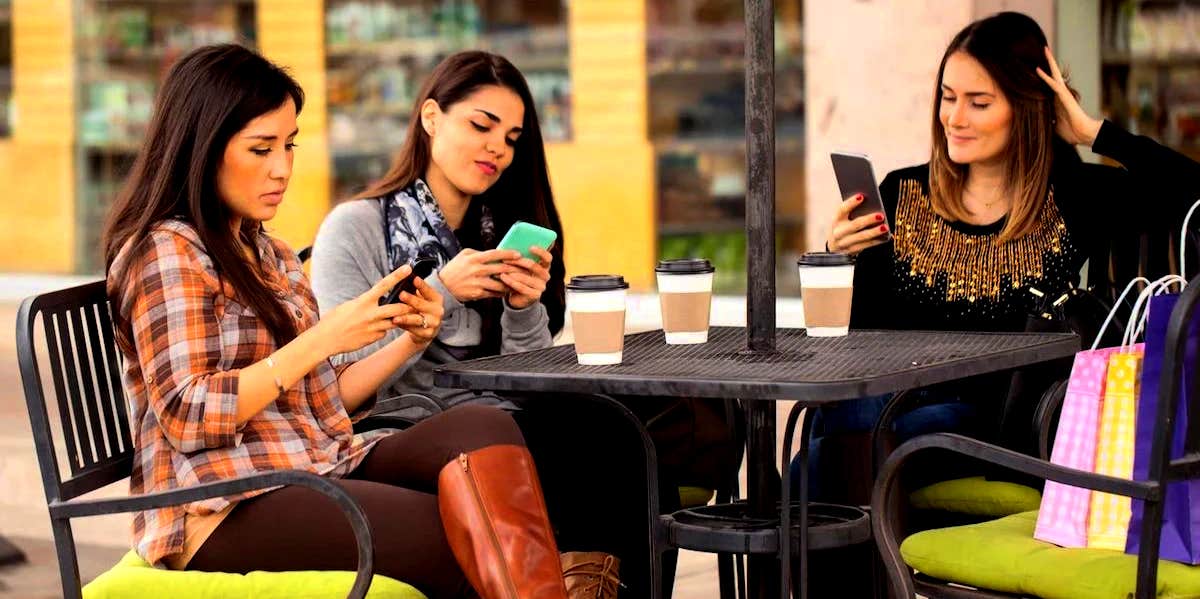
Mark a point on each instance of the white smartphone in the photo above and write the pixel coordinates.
(855, 175)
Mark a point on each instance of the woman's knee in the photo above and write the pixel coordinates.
(481, 426)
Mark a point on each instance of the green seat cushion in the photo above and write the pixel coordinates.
(133, 578)
(1002, 555)
(977, 496)
(694, 496)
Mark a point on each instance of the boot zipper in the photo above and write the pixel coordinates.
(508, 581)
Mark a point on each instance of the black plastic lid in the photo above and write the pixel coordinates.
(597, 283)
(684, 266)
(825, 259)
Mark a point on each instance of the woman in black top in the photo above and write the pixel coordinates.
(1004, 205)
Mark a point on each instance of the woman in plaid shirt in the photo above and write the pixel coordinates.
(227, 370)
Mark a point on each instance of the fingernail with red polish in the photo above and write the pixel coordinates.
(859, 198)
(883, 228)
(878, 217)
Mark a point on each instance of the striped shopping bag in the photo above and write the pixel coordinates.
(1108, 517)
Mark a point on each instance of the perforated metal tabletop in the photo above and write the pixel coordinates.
(808, 368)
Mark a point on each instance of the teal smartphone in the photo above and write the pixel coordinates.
(524, 235)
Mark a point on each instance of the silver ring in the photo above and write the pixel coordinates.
(424, 323)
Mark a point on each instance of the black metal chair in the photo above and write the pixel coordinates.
(93, 425)
(1029, 426)
(886, 500)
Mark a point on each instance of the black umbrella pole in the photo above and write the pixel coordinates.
(760, 175)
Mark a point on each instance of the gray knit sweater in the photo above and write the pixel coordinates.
(350, 255)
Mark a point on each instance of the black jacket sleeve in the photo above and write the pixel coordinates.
(873, 271)
(1155, 188)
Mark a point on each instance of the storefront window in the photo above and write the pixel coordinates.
(695, 51)
(1151, 69)
(125, 49)
(379, 52)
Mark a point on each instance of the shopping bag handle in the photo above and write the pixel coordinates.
(1117, 306)
(1141, 308)
(1183, 239)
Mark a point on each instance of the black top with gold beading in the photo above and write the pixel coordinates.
(943, 275)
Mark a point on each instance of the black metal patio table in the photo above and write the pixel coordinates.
(810, 370)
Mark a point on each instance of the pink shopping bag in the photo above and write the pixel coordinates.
(1063, 516)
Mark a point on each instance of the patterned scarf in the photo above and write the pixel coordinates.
(415, 226)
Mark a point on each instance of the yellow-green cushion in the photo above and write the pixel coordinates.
(1002, 555)
(133, 578)
(694, 496)
(977, 496)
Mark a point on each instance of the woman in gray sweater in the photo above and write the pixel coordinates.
(471, 165)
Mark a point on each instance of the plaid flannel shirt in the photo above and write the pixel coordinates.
(184, 335)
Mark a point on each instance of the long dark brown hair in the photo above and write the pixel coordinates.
(523, 190)
(208, 96)
(1010, 46)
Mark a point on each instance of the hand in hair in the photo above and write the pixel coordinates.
(361, 321)
(1074, 124)
(528, 281)
(423, 322)
(851, 236)
(469, 275)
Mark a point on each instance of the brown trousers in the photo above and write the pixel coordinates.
(296, 528)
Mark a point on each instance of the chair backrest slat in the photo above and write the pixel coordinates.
(54, 323)
(112, 360)
(86, 390)
(85, 370)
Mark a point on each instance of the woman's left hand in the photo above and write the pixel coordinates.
(1074, 124)
(528, 282)
(423, 322)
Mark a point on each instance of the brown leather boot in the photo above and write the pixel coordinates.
(591, 575)
(496, 523)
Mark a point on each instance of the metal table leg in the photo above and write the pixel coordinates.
(763, 575)
(787, 585)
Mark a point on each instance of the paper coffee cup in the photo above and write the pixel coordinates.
(826, 290)
(685, 296)
(597, 307)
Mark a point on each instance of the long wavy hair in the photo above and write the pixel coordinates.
(208, 96)
(522, 192)
(1010, 46)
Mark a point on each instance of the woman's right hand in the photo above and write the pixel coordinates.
(468, 276)
(361, 321)
(851, 236)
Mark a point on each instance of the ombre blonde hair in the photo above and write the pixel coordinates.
(1010, 46)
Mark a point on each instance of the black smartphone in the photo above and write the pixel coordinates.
(423, 267)
(855, 175)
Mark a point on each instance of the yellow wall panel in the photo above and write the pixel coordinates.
(608, 70)
(37, 211)
(292, 33)
(603, 196)
(604, 178)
